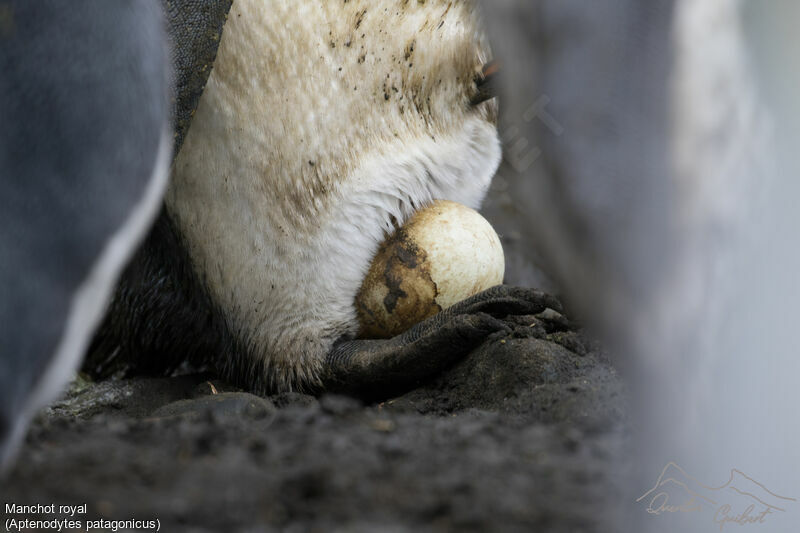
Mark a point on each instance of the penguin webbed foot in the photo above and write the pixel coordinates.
(380, 368)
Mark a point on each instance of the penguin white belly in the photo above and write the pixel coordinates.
(321, 126)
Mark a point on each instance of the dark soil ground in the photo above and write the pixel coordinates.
(525, 434)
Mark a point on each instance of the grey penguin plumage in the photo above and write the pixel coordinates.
(84, 153)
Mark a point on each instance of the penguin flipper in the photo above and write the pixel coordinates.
(195, 29)
(377, 369)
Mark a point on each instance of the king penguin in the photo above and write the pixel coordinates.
(323, 125)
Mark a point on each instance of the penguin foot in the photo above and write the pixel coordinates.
(378, 369)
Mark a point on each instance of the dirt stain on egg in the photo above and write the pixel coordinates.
(407, 292)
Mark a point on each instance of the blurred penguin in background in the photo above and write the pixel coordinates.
(651, 172)
(85, 144)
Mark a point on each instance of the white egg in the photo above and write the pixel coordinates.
(443, 254)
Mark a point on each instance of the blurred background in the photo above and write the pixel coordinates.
(653, 144)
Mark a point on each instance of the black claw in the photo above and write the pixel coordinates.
(486, 84)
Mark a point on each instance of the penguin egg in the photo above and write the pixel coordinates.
(443, 254)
